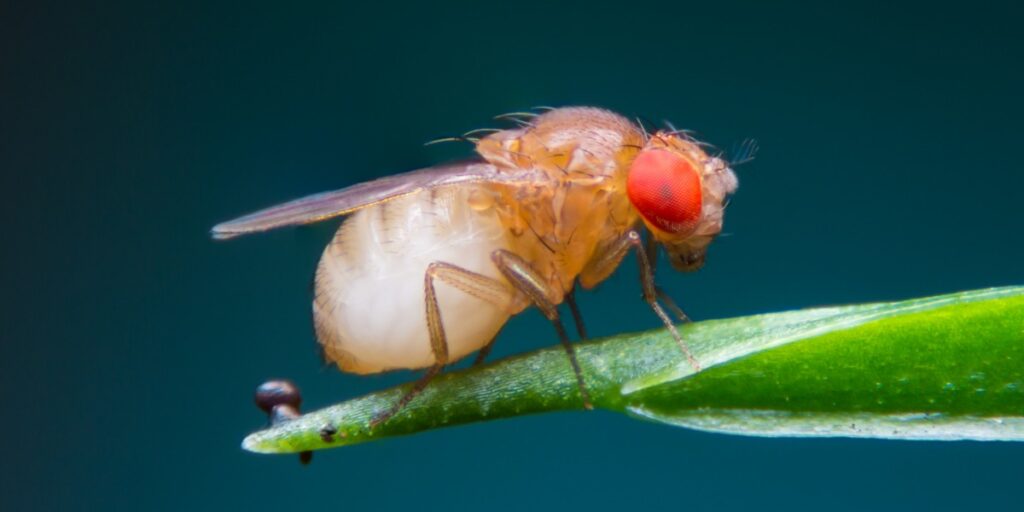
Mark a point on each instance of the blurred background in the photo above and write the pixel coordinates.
(130, 343)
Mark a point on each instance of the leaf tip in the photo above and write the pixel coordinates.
(254, 443)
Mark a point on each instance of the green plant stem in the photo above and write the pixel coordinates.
(946, 367)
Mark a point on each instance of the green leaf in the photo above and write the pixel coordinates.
(949, 367)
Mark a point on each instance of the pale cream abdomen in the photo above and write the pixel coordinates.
(369, 309)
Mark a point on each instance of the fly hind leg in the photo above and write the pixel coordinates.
(577, 317)
(477, 285)
(526, 279)
(481, 355)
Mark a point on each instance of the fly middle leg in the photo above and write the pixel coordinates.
(525, 278)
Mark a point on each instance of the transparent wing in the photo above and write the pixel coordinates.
(326, 205)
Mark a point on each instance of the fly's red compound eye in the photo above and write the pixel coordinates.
(665, 189)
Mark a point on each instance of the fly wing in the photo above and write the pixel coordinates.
(326, 205)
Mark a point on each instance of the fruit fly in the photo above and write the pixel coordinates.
(431, 263)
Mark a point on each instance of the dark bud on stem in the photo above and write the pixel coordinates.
(281, 400)
(273, 393)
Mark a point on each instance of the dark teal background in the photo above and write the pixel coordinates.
(130, 342)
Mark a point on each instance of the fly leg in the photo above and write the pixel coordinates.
(485, 351)
(651, 293)
(482, 287)
(671, 304)
(577, 318)
(477, 285)
(438, 344)
(651, 248)
(525, 279)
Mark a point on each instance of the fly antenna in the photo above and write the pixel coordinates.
(746, 152)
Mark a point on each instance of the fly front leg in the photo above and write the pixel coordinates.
(651, 296)
(651, 248)
(525, 278)
(477, 285)
(651, 293)
(671, 304)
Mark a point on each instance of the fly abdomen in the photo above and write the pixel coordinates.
(369, 308)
